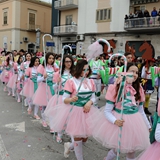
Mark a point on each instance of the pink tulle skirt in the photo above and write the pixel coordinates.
(19, 86)
(152, 153)
(135, 134)
(28, 89)
(50, 110)
(6, 75)
(12, 81)
(76, 125)
(40, 97)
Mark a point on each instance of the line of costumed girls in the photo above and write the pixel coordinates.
(67, 105)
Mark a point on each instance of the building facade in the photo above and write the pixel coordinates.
(81, 22)
(23, 23)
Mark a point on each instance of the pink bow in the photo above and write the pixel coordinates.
(129, 88)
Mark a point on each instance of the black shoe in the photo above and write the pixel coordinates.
(147, 111)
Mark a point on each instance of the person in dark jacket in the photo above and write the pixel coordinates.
(147, 16)
(141, 18)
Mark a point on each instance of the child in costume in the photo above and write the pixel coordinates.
(67, 72)
(149, 89)
(24, 66)
(96, 66)
(31, 85)
(17, 68)
(45, 75)
(7, 72)
(71, 116)
(135, 125)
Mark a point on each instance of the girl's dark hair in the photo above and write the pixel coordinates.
(26, 56)
(33, 59)
(135, 85)
(7, 60)
(72, 66)
(19, 59)
(79, 68)
(47, 57)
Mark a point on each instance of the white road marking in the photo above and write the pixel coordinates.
(3, 152)
(17, 126)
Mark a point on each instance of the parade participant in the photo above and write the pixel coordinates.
(43, 94)
(58, 60)
(147, 85)
(67, 72)
(17, 68)
(15, 56)
(96, 66)
(24, 66)
(152, 153)
(31, 85)
(71, 116)
(7, 72)
(12, 81)
(135, 125)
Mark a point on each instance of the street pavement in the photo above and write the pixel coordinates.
(23, 138)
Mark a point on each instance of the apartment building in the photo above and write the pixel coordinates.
(81, 22)
(23, 23)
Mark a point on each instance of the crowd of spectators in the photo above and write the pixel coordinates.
(145, 18)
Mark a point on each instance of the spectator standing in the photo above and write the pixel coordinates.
(154, 14)
(147, 16)
(141, 18)
(131, 16)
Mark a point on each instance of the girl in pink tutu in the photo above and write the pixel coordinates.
(71, 116)
(12, 81)
(31, 85)
(135, 125)
(7, 72)
(17, 68)
(67, 72)
(24, 66)
(153, 151)
(45, 75)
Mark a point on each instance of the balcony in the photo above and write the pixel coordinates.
(148, 24)
(139, 2)
(32, 27)
(65, 30)
(66, 4)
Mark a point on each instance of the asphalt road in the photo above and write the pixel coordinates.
(23, 138)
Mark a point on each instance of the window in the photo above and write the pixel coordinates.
(5, 16)
(103, 15)
(32, 18)
(69, 19)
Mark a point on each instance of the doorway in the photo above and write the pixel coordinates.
(31, 48)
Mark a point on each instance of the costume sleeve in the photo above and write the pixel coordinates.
(157, 133)
(108, 112)
(65, 95)
(143, 74)
(27, 74)
(111, 93)
(69, 87)
(40, 71)
(141, 111)
(141, 91)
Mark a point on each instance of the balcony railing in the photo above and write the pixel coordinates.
(32, 27)
(66, 4)
(68, 29)
(143, 24)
